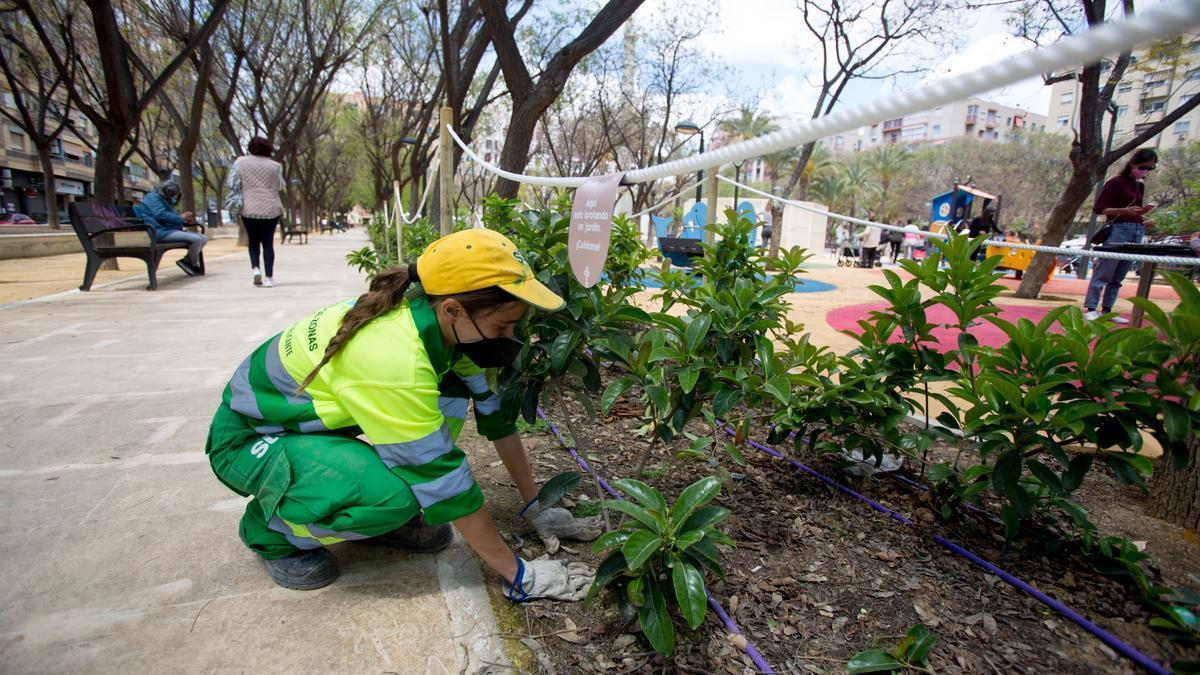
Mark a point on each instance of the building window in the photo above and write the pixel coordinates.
(937, 129)
(913, 133)
(1184, 98)
(1122, 111)
(16, 139)
(1124, 87)
(56, 148)
(1063, 120)
(1066, 98)
(1193, 74)
(1182, 126)
(1157, 79)
(1153, 105)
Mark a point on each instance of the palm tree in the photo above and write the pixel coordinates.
(861, 187)
(831, 188)
(747, 124)
(887, 162)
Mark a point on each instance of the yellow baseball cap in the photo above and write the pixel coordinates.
(478, 258)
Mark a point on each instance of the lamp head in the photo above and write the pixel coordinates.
(687, 128)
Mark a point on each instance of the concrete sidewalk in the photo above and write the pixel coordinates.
(120, 547)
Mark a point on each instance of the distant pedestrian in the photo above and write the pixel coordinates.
(895, 240)
(870, 246)
(259, 180)
(1120, 201)
(157, 209)
(912, 239)
(984, 223)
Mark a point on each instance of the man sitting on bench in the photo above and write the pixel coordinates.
(157, 209)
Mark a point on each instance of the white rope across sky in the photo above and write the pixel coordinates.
(1087, 47)
(1057, 250)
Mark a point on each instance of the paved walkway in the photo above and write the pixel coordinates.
(120, 547)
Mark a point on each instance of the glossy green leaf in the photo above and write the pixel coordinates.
(915, 646)
(705, 517)
(643, 494)
(612, 567)
(562, 351)
(639, 514)
(639, 547)
(636, 591)
(614, 391)
(693, 497)
(780, 387)
(688, 377)
(873, 661)
(614, 539)
(696, 330)
(655, 620)
(1175, 421)
(689, 592)
(554, 489)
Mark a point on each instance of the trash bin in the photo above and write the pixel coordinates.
(211, 218)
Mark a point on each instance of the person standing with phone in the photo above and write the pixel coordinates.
(1120, 201)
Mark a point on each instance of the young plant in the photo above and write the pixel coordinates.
(659, 556)
(911, 652)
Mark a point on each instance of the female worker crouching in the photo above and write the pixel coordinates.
(399, 371)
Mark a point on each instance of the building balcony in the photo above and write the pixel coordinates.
(970, 119)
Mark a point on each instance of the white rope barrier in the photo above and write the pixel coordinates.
(416, 214)
(1087, 47)
(1093, 253)
(668, 200)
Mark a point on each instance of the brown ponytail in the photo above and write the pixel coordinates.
(386, 291)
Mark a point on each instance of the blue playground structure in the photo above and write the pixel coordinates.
(681, 252)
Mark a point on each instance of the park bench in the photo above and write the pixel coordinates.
(110, 231)
(289, 230)
(330, 224)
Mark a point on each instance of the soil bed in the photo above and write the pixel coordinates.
(818, 576)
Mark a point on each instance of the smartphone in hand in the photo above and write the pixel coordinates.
(1149, 207)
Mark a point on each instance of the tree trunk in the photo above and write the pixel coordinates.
(106, 186)
(1175, 492)
(522, 124)
(1079, 188)
(48, 183)
(776, 229)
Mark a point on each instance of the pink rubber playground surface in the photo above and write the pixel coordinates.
(846, 318)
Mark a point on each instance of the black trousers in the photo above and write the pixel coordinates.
(262, 235)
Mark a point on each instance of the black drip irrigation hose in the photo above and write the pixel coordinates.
(1107, 638)
(712, 601)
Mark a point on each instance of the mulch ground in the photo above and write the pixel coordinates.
(817, 577)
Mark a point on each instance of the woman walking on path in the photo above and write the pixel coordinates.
(401, 371)
(259, 180)
(1120, 201)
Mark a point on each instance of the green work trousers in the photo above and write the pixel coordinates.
(309, 490)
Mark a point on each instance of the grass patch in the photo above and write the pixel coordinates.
(586, 509)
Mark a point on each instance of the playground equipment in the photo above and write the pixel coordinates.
(953, 208)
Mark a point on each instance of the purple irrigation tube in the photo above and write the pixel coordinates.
(712, 601)
(1104, 636)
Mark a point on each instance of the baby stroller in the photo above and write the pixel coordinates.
(849, 252)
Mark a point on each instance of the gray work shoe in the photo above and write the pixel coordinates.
(304, 570)
(415, 537)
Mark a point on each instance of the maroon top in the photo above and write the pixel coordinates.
(1120, 193)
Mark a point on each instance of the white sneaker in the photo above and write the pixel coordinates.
(257, 276)
(1091, 315)
(1120, 320)
(268, 282)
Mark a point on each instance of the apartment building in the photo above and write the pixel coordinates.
(969, 118)
(22, 186)
(1153, 86)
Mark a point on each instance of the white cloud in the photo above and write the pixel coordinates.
(985, 50)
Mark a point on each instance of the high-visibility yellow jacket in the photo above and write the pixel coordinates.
(394, 381)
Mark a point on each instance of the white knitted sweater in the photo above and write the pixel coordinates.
(261, 181)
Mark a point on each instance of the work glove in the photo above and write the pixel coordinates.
(553, 523)
(545, 578)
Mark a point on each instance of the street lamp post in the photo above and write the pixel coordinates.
(690, 128)
(737, 178)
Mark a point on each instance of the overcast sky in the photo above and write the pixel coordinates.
(766, 43)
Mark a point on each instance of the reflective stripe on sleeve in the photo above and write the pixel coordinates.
(281, 378)
(453, 406)
(450, 485)
(242, 399)
(269, 429)
(488, 405)
(477, 383)
(415, 453)
(312, 426)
